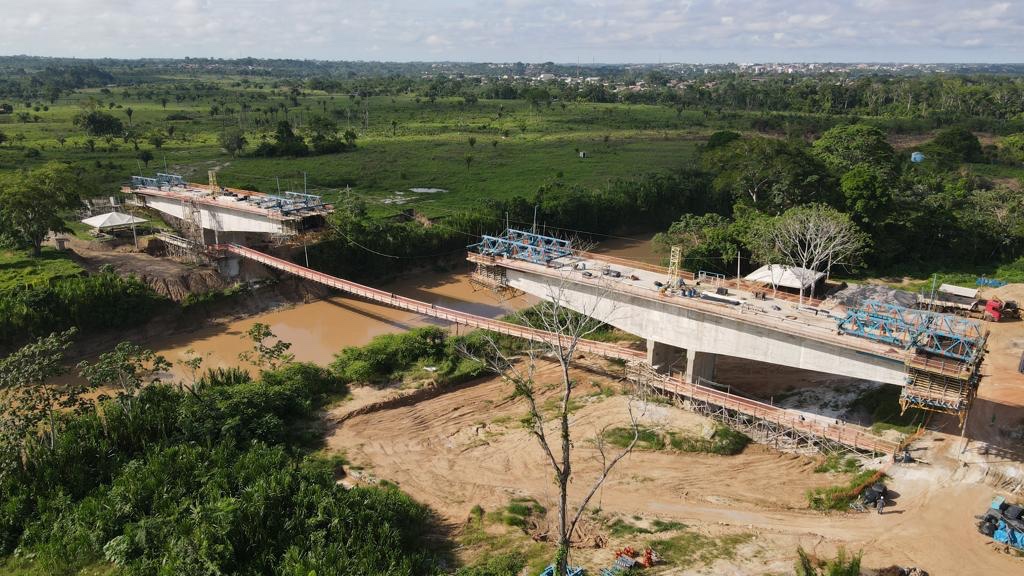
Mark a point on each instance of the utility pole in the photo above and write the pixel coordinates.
(737, 268)
(303, 181)
(535, 218)
(278, 178)
(931, 303)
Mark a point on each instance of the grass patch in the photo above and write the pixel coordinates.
(692, 548)
(621, 527)
(518, 512)
(501, 552)
(725, 441)
(829, 498)
(882, 404)
(647, 438)
(836, 463)
(19, 268)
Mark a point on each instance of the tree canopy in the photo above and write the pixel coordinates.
(772, 175)
(843, 147)
(31, 202)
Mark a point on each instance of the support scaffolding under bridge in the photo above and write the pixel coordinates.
(786, 430)
(944, 353)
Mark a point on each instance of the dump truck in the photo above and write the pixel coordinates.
(1004, 523)
(966, 302)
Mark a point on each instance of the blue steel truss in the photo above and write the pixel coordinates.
(521, 245)
(941, 334)
(880, 322)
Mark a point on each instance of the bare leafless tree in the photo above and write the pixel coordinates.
(809, 238)
(569, 328)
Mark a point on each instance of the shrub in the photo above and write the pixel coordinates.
(725, 441)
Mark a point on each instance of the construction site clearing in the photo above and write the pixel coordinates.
(424, 444)
(756, 500)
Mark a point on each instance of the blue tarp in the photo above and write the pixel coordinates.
(1008, 535)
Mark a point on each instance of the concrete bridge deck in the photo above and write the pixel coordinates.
(738, 324)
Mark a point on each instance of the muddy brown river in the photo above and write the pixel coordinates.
(318, 330)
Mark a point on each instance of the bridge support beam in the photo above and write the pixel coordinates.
(663, 357)
(699, 365)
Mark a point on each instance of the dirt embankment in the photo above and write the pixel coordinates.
(166, 276)
(467, 448)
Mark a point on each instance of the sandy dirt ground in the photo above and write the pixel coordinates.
(467, 448)
(166, 276)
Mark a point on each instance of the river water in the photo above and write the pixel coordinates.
(318, 330)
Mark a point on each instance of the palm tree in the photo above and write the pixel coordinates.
(129, 112)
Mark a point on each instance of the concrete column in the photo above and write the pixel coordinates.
(663, 356)
(699, 365)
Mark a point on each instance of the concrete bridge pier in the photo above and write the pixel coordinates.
(667, 358)
(700, 365)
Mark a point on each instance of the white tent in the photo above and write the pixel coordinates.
(112, 220)
(781, 275)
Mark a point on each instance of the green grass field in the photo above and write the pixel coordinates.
(406, 142)
(18, 268)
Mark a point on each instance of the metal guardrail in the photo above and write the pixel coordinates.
(454, 316)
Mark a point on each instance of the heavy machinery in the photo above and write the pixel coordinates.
(1003, 523)
(965, 302)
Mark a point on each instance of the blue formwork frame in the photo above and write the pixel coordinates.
(941, 334)
(527, 246)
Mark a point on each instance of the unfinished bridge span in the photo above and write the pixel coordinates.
(769, 424)
(690, 319)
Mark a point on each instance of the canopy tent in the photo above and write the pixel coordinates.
(112, 220)
(784, 276)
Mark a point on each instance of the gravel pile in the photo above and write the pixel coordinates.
(855, 294)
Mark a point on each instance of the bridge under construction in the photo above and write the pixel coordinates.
(786, 429)
(690, 319)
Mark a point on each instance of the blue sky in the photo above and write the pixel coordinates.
(527, 30)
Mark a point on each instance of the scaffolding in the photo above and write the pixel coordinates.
(675, 262)
(918, 330)
(785, 430)
(944, 353)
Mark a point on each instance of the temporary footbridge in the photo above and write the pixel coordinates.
(454, 316)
